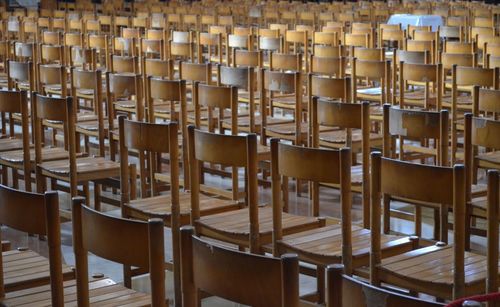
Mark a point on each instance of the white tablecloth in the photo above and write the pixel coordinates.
(416, 20)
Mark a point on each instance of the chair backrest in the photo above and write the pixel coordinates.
(52, 75)
(285, 61)
(142, 137)
(123, 64)
(379, 71)
(229, 150)
(314, 165)
(329, 66)
(35, 214)
(247, 58)
(192, 72)
(426, 73)
(486, 101)
(416, 124)
(425, 184)
(129, 242)
(216, 97)
(346, 291)
(18, 72)
(273, 281)
(285, 83)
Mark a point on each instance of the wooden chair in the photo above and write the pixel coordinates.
(15, 102)
(23, 269)
(285, 83)
(421, 135)
(238, 152)
(480, 132)
(328, 244)
(243, 78)
(213, 44)
(72, 169)
(86, 85)
(124, 241)
(205, 266)
(447, 278)
(378, 71)
(467, 76)
(347, 291)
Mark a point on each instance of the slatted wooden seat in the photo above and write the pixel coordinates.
(133, 246)
(347, 291)
(24, 269)
(248, 227)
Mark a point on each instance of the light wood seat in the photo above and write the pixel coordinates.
(23, 269)
(348, 291)
(102, 291)
(324, 245)
(84, 166)
(339, 137)
(157, 207)
(49, 153)
(432, 267)
(233, 226)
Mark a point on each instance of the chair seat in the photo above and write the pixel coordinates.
(125, 105)
(489, 159)
(55, 88)
(102, 292)
(288, 102)
(93, 126)
(234, 226)
(48, 154)
(463, 102)
(89, 168)
(339, 137)
(324, 245)
(26, 269)
(244, 96)
(286, 129)
(159, 206)
(8, 144)
(369, 94)
(430, 270)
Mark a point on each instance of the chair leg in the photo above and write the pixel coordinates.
(5, 175)
(97, 196)
(387, 214)
(320, 279)
(418, 221)
(15, 179)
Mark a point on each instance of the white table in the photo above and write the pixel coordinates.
(416, 20)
